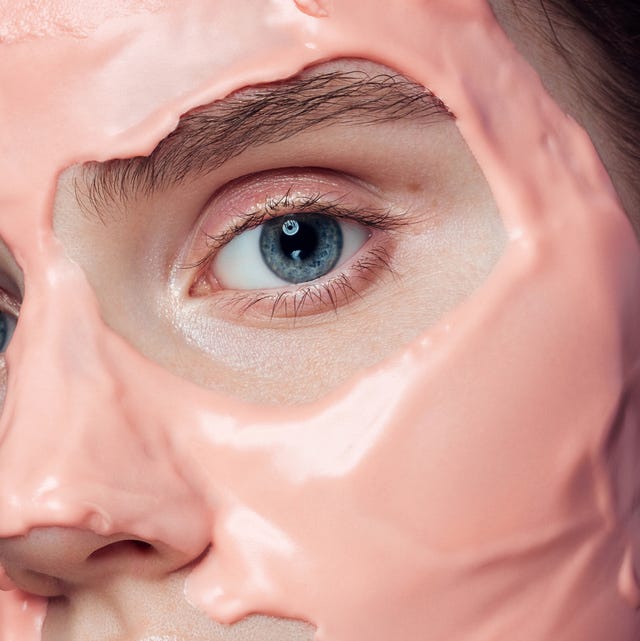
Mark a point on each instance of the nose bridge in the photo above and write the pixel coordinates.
(76, 451)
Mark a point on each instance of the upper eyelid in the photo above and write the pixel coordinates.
(374, 217)
(379, 218)
(282, 194)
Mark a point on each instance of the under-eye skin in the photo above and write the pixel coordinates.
(295, 256)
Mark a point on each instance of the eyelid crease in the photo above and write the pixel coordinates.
(376, 218)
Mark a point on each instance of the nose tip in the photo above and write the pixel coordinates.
(51, 561)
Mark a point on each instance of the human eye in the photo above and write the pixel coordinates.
(306, 245)
(291, 249)
(7, 326)
(9, 309)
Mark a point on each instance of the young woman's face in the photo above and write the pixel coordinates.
(281, 240)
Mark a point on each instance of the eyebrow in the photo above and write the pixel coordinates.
(209, 136)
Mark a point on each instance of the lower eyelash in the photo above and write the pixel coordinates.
(313, 298)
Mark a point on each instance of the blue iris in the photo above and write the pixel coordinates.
(7, 326)
(301, 248)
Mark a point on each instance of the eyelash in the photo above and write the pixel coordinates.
(326, 294)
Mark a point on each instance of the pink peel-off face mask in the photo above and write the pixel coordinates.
(482, 484)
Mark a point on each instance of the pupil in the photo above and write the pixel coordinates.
(299, 241)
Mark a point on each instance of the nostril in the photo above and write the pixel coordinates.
(53, 561)
(121, 548)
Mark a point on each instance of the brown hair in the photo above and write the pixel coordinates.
(610, 79)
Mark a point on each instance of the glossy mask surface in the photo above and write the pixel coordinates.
(478, 485)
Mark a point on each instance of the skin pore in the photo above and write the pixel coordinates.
(278, 348)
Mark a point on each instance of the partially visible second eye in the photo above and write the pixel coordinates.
(7, 327)
(291, 249)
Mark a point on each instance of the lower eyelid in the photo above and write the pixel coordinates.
(311, 302)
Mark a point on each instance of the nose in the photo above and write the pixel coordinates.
(50, 561)
(90, 484)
